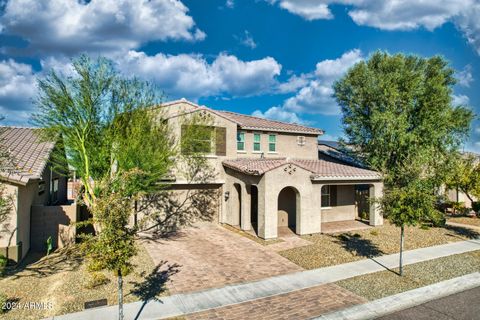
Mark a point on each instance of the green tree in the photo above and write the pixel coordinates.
(465, 175)
(124, 153)
(398, 113)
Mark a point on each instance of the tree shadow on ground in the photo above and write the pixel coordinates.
(462, 232)
(37, 265)
(154, 284)
(358, 246)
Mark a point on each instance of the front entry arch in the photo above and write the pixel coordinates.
(288, 208)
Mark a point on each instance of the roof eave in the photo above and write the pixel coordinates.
(344, 178)
(280, 130)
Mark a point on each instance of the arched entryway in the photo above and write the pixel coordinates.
(288, 209)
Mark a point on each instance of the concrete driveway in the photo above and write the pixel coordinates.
(210, 256)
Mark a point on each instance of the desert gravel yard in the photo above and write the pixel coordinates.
(381, 284)
(62, 280)
(465, 220)
(328, 250)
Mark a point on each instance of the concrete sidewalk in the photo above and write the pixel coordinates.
(404, 300)
(180, 304)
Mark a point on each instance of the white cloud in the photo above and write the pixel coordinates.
(293, 83)
(247, 40)
(72, 26)
(230, 4)
(465, 76)
(469, 23)
(17, 89)
(278, 113)
(307, 9)
(460, 99)
(192, 76)
(397, 14)
(315, 92)
(316, 96)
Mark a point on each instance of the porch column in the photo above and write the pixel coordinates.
(376, 192)
(246, 207)
(267, 212)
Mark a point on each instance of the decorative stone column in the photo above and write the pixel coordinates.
(376, 192)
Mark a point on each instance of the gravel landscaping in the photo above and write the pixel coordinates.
(386, 283)
(465, 220)
(328, 250)
(63, 280)
(251, 236)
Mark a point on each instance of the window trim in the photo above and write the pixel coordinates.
(241, 134)
(259, 142)
(272, 143)
(300, 142)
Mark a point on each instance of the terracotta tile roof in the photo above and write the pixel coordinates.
(245, 121)
(255, 167)
(256, 123)
(334, 170)
(29, 154)
(320, 169)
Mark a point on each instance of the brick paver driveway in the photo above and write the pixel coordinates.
(301, 304)
(210, 256)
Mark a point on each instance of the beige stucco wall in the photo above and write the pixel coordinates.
(345, 208)
(8, 235)
(286, 146)
(452, 195)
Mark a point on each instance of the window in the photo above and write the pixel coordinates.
(197, 139)
(240, 141)
(41, 187)
(301, 140)
(272, 143)
(325, 196)
(55, 190)
(256, 142)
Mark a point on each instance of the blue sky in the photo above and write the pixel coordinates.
(270, 58)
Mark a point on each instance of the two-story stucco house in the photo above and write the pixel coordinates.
(270, 174)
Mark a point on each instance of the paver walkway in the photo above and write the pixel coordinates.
(301, 304)
(210, 256)
(184, 304)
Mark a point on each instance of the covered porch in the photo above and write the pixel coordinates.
(269, 196)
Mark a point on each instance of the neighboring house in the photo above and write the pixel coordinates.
(270, 174)
(37, 192)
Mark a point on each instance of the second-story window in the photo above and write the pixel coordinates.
(240, 141)
(272, 143)
(256, 142)
(197, 139)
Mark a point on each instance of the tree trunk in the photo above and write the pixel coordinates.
(401, 249)
(120, 295)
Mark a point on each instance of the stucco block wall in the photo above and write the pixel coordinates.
(55, 222)
(345, 208)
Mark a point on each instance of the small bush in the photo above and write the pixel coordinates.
(356, 235)
(424, 227)
(97, 279)
(374, 233)
(3, 264)
(476, 206)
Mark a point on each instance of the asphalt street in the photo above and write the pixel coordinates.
(461, 306)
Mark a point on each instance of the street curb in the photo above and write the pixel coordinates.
(405, 300)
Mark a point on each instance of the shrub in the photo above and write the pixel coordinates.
(97, 279)
(3, 264)
(476, 206)
(374, 233)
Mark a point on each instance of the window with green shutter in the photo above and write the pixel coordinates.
(240, 141)
(256, 142)
(272, 143)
